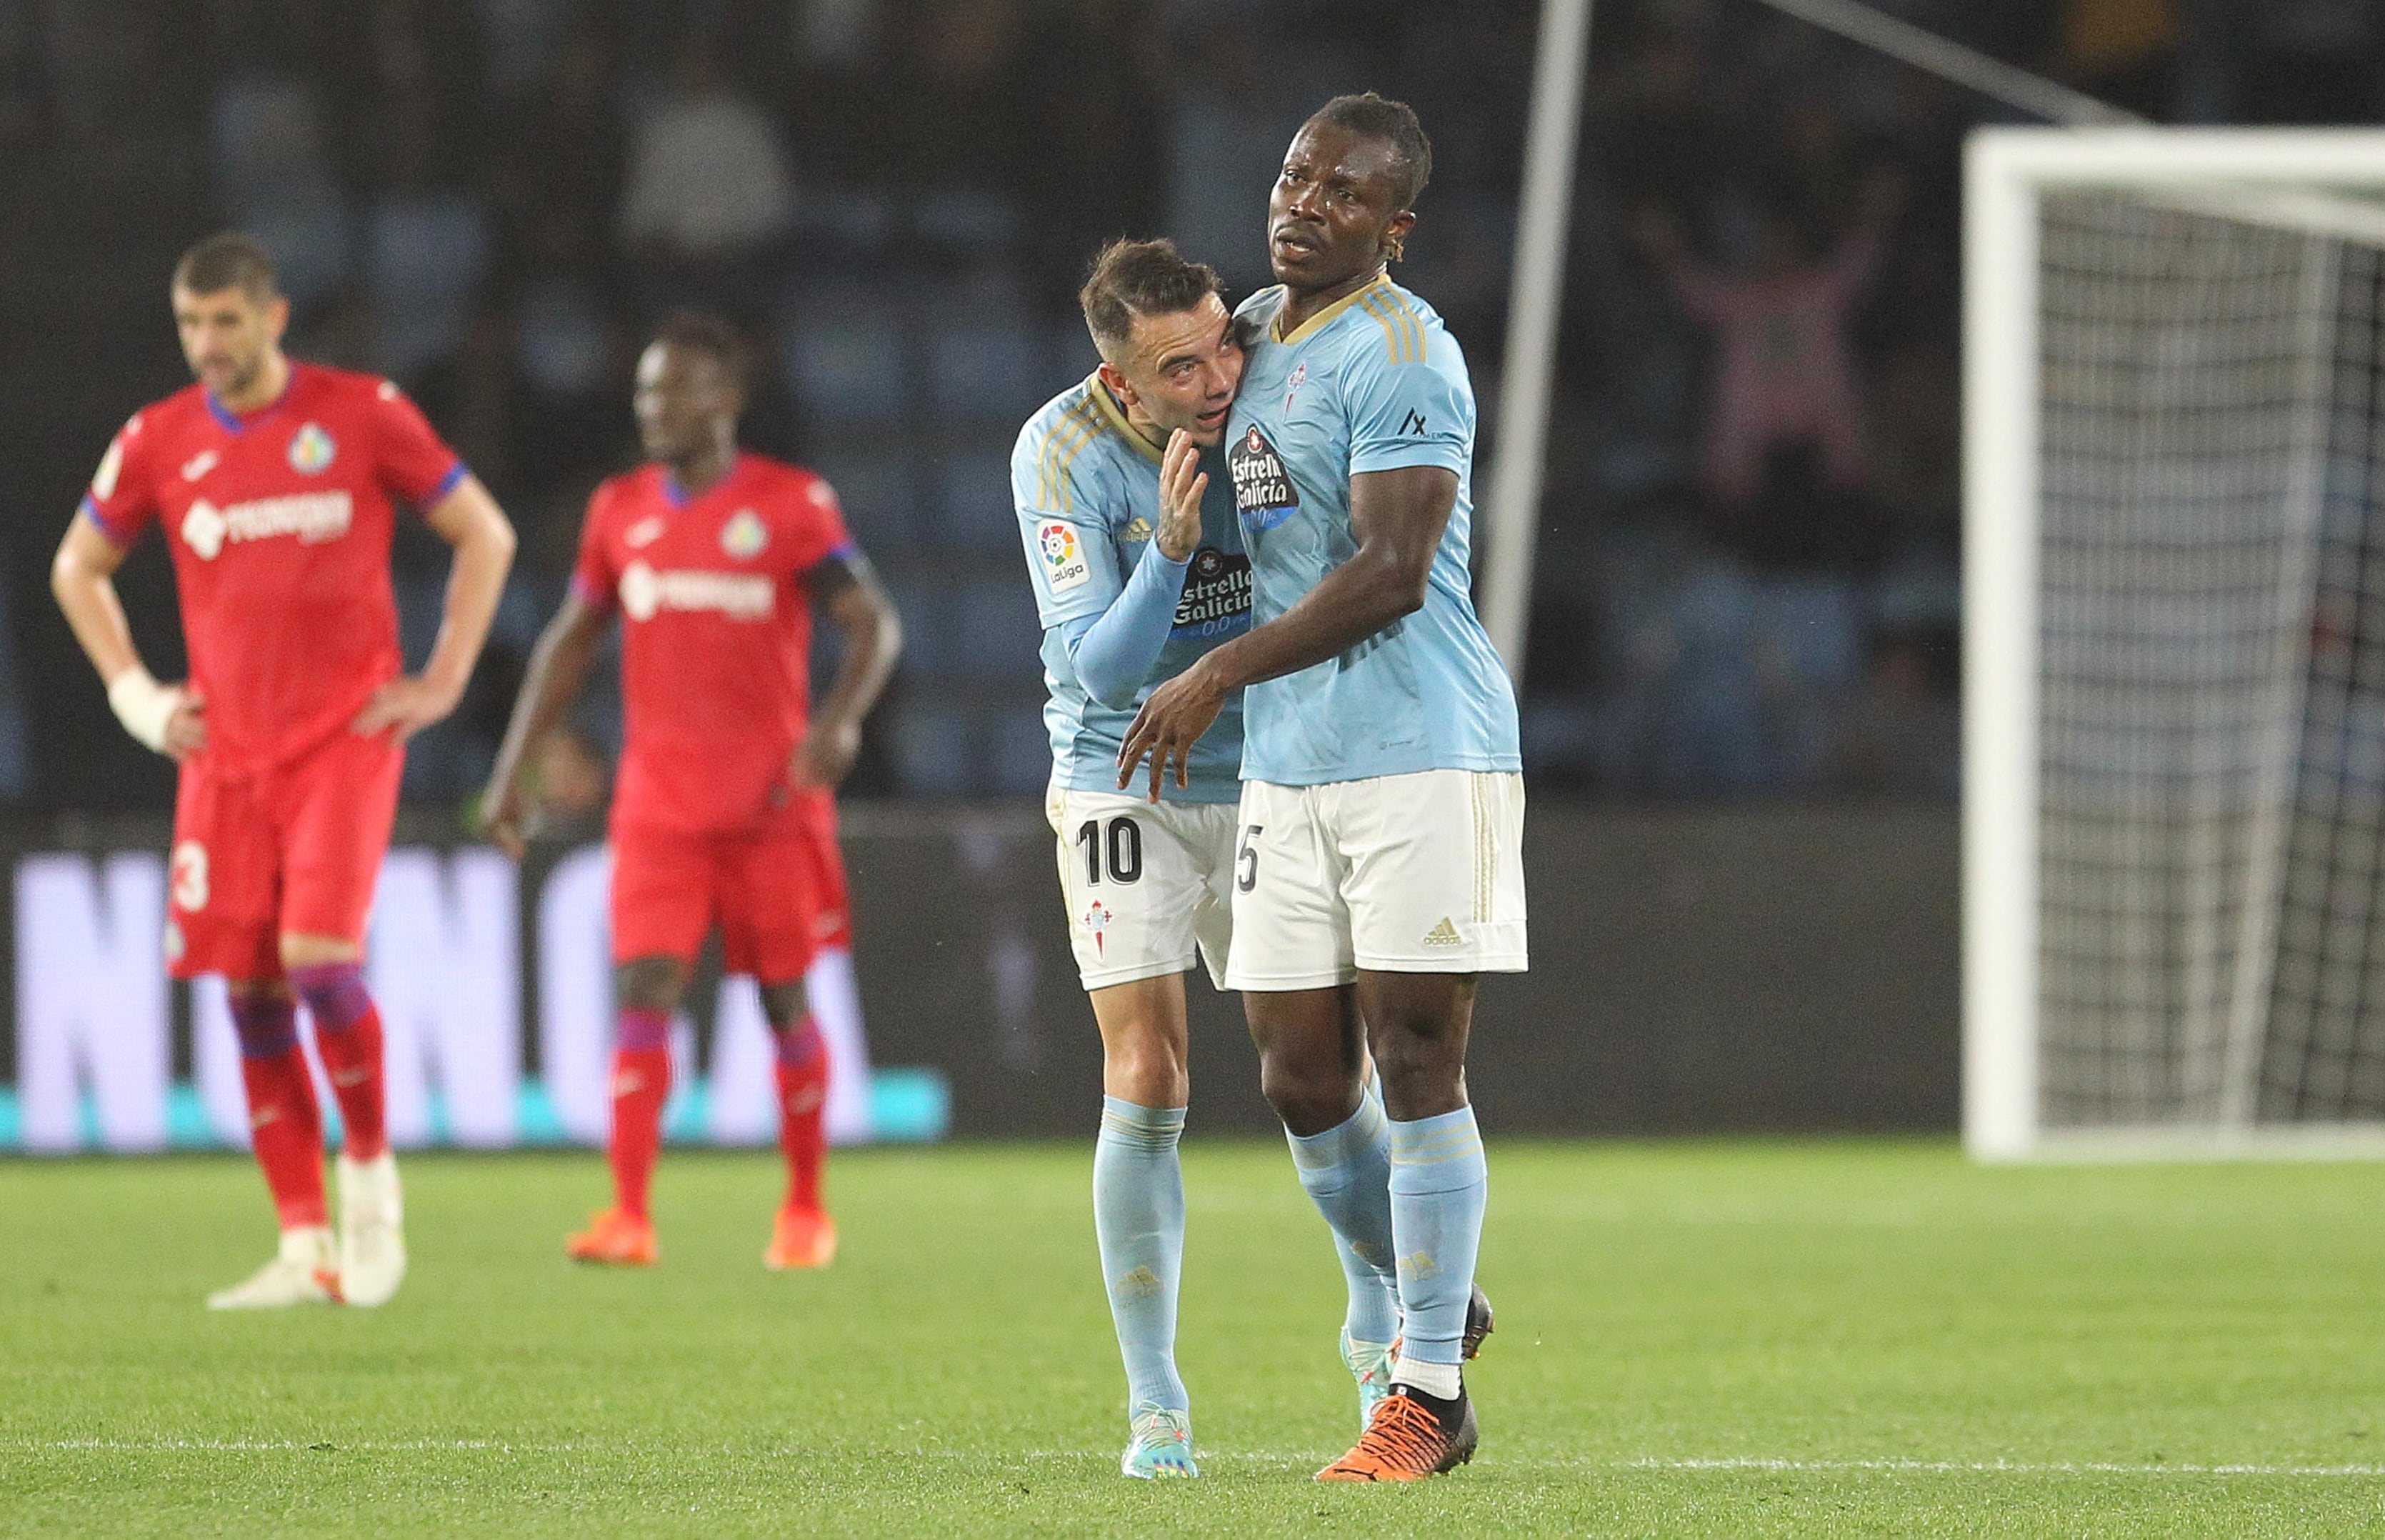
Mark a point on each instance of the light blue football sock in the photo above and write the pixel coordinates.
(1139, 1218)
(1347, 1170)
(1438, 1187)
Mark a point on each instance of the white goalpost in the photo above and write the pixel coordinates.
(2174, 644)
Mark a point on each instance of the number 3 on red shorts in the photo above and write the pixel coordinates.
(190, 876)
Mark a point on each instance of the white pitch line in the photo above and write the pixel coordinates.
(286, 1446)
(1751, 1463)
(499, 1445)
(2000, 1466)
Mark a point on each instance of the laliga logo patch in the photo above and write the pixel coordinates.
(204, 530)
(311, 450)
(1064, 565)
(744, 535)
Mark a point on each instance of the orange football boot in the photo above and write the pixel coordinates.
(615, 1238)
(1405, 1441)
(801, 1238)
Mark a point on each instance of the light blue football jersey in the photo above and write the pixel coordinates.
(1371, 383)
(1086, 486)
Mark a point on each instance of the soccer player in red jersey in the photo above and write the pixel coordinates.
(724, 811)
(275, 484)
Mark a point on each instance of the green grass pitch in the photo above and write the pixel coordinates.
(1724, 1339)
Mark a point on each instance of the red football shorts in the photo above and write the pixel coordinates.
(294, 850)
(770, 892)
(833, 926)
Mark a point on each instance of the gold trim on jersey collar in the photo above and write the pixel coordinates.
(1109, 407)
(1310, 327)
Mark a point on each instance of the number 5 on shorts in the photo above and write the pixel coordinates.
(1246, 859)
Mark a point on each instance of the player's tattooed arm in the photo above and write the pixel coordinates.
(1398, 518)
(469, 520)
(558, 669)
(166, 718)
(845, 587)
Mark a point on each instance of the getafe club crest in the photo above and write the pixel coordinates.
(744, 535)
(311, 450)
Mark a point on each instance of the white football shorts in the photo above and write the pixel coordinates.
(1147, 885)
(1420, 873)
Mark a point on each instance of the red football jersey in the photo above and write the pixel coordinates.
(715, 679)
(280, 524)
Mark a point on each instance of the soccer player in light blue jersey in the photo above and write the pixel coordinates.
(1137, 560)
(1380, 870)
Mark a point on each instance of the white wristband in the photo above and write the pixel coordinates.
(144, 706)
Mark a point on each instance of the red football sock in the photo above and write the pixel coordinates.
(803, 1104)
(285, 1126)
(287, 1129)
(642, 1072)
(348, 1035)
(352, 1059)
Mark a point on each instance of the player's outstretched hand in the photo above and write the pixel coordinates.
(1171, 722)
(1181, 481)
(186, 729)
(503, 817)
(825, 756)
(404, 707)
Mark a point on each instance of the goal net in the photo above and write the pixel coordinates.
(2175, 643)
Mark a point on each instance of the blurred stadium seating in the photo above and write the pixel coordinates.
(468, 163)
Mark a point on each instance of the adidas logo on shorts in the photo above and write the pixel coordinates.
(1444, 934)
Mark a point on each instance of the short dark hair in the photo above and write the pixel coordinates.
(1140, 278)
(228, 260)
(697, 332)
(1394, 123)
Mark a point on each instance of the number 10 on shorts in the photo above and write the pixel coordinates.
(1121, 846)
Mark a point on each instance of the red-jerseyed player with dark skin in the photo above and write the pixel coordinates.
(274, 482)
(724, 810)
